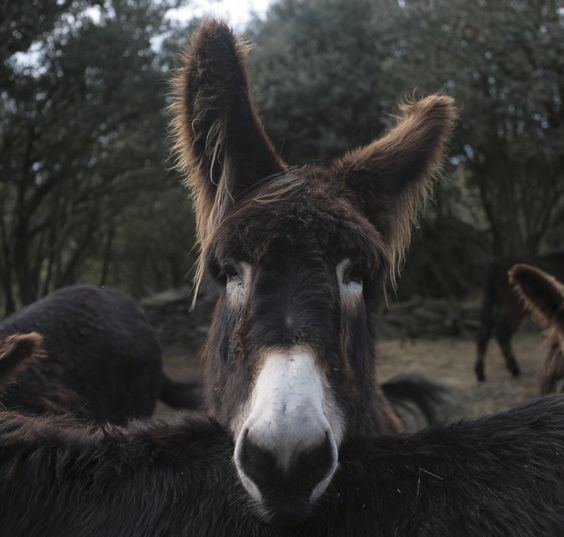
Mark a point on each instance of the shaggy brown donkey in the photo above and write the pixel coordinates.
(543, 295)
(498, 476)
(303, 255)
(102, 363)
(502, 311)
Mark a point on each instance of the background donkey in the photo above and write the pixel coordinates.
(502, 311)
(102, 360)
(60, 478)
(303, 255)
(543, 295)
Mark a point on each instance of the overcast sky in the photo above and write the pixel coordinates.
(235, 12)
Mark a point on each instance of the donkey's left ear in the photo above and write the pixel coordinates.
(220, 140)
(388, 178)
(16, 350)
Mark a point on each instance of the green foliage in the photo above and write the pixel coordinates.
(83, 138)
(86, 187)
(504, 63)
(317, 71)
(326, 72)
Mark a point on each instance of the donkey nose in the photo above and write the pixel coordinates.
(288, 479)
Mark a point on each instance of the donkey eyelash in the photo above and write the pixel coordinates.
(224, 271)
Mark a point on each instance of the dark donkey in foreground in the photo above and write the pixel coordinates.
(502, 311)
(303, 255)
(543, 295)
(98, 359)
(497, 476)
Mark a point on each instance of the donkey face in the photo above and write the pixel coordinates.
(544, 297)
(303, 255)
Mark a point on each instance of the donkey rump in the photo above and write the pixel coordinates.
(101, 359)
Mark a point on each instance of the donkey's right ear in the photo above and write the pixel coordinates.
(15, 350)
(543, 294)
(391, 176)
(221, 143)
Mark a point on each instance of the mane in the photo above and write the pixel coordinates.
(272, 189)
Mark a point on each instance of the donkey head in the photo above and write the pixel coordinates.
(303, 255)
(543, 295)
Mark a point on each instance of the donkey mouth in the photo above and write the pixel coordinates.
(284, 513)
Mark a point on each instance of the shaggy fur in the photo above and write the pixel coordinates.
(543, 296)
(220, 141)
(502, 311)
(494, 477)
(102, 362)
(390, 178)
(292, 227)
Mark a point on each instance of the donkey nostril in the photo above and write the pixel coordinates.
(303, 471)
(257, 463)
(314, 465)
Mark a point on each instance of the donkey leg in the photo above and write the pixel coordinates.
(484, 336)
(503, 335)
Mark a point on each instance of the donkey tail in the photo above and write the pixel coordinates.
(175, 394)
(419, 401)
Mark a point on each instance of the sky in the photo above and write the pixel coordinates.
(235, 12)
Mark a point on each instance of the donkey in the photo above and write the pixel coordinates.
(496, 476)
(502, 311)
(302, 255)
(543, 295)
(102, 360)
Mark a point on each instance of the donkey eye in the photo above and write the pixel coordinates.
(230, 272)
(353, 273)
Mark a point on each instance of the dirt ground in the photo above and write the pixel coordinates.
(448, 360)
(452, 360)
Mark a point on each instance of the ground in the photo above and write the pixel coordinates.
(448, 360)
(452, 360)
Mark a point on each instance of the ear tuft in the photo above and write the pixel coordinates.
(16, 350)
(389, 178)
(542, 294)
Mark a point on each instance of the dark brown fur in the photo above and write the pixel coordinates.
(543, 296)
(58, 478)
(502, 311)
(102, 360)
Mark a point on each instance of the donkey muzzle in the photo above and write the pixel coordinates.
(287, 450)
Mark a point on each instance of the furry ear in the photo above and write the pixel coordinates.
(222, 146)
(15, 350)
(542, 294)
(389, 178)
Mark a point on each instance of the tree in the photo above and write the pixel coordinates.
(327, 73)
(504, 63)
(82, 135)
(317, 73)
